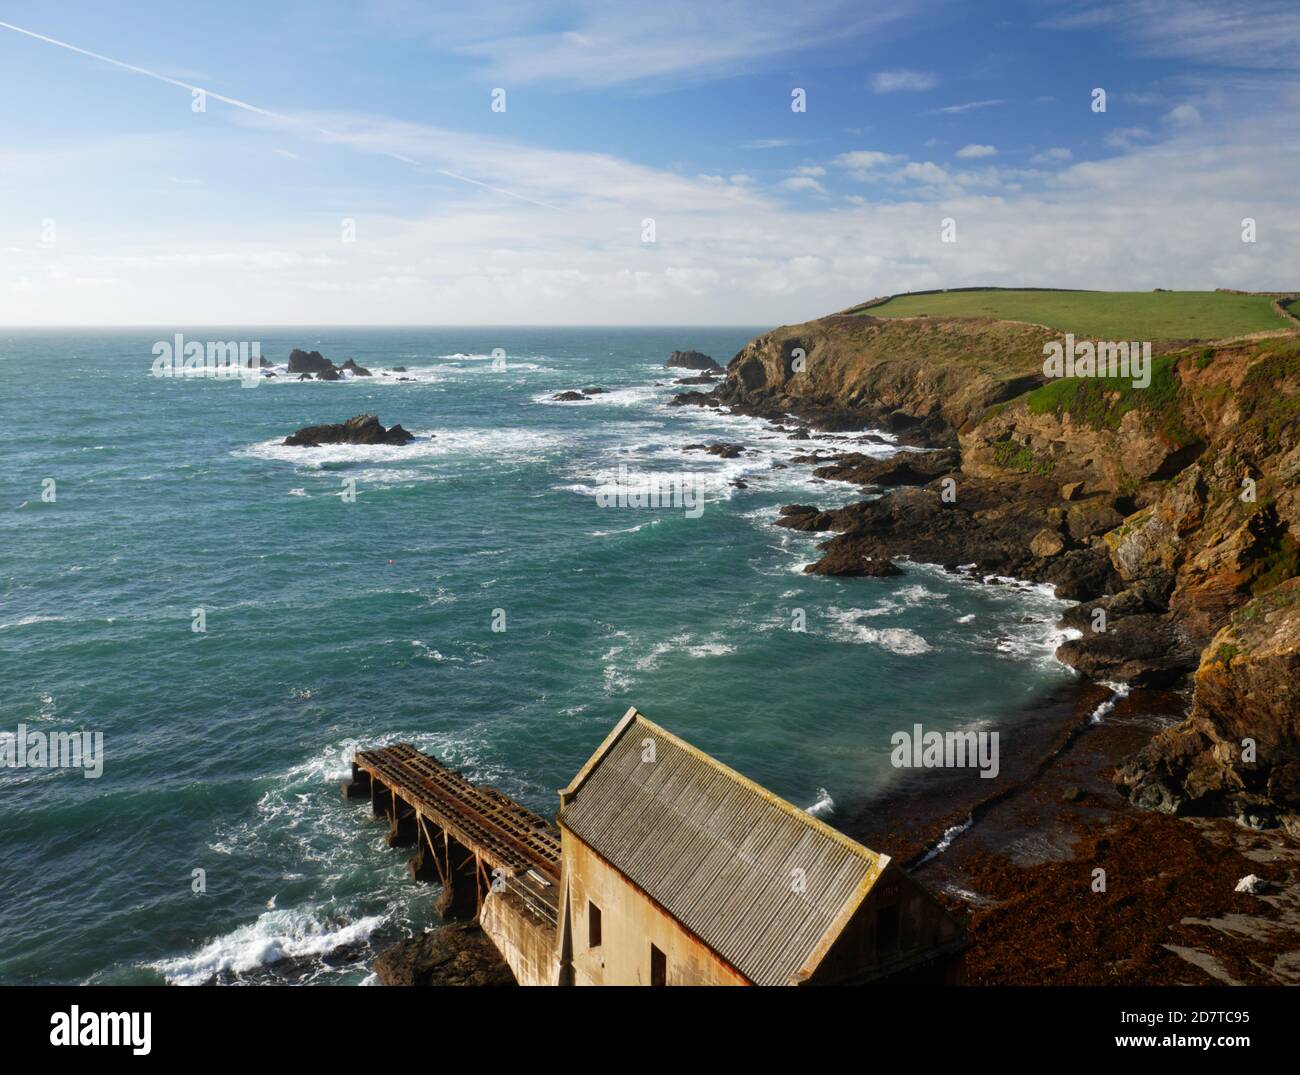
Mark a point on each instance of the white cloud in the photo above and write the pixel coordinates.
(810, 169)
(1238, 33)
(1056, 155)
(927, 172)
(902, 79)
(595, 43)
(1127, 137)
(802, 182)
(975, 150)
(727, 251)
(1183, 115)
(863, 161)
(968, 106)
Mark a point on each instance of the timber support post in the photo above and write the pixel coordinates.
(359, 786)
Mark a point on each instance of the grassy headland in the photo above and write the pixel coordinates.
(1103, 315)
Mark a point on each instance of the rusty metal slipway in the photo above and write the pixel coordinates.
(466, 837)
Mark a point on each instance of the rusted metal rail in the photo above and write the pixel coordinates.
(469, 838)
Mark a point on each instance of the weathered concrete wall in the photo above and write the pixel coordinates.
(630, 923)
(899, 925)
(525, 940)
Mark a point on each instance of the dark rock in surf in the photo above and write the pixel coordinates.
(308, 362)
(723, 451)
(693, 399)
(361, 429)
(846, 562)
(692, 360)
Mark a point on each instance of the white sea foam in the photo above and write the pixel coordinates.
(276, 935)
(513, 445)
(945, 841)
(629, 530)
(28, 621)
(824, 806)
(682, 643)
(894, 639)
(1118, 691)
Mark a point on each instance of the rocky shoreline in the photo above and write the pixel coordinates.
(1167, 513)
(1018, 864)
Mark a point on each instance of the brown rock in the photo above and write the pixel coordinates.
(1047, 543)
(456, 954)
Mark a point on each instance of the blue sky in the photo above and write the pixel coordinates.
(120, 204)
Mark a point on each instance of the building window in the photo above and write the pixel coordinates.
(593, 925)
(658, 967)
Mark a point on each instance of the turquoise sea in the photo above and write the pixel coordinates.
(333, 623)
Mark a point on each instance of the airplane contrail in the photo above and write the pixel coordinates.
(235, 102)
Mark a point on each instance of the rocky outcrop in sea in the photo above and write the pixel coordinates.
(360, 429)
(308, 364)
(692, 360)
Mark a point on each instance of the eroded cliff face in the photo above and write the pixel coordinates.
(933, 372)
(1172, 512)
(1238, 753)
(1206, 472)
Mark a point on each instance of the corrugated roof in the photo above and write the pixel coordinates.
(718, 852)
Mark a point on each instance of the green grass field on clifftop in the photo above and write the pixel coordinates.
(1103, 315)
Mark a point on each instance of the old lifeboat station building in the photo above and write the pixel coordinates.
(672, 869)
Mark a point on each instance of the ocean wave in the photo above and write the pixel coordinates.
(683, 643)
(28, 621)
(898, 640)
(824, 806)
(619, 675)
(945, 841)
(1118, 691)
(629, 530)
(274, 936)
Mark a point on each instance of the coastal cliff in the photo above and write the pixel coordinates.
(1170, 511)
